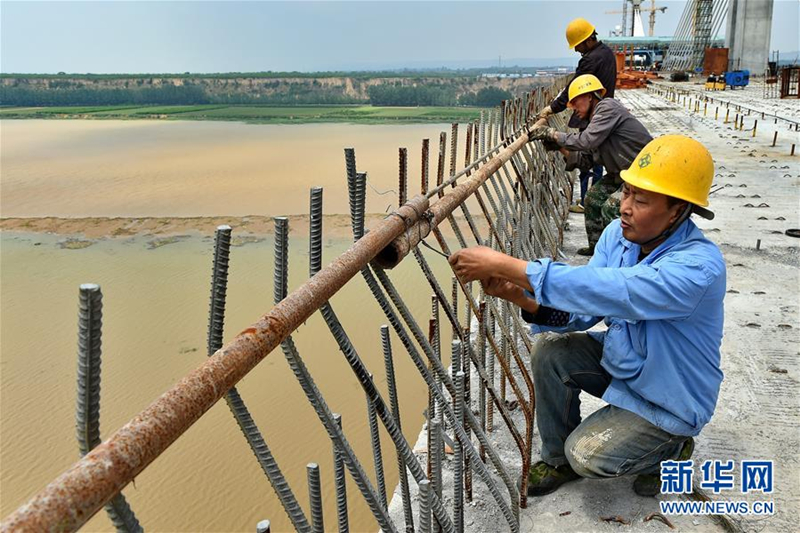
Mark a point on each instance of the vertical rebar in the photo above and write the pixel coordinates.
(465, 364)
(490, 331)
(468, 146)
(352, 189)
(503, 348)
(455, 362)
(391, 383)
(341, 483)
(424, 173)
(315, 498)
(315, 231)
(436, 452)
(425, 506)
(482, 135)
(774, 138)
(453, 147)
(431, 402)
(454, 286)
(481, 341)
(403, 179)
(377, 456)
(87, 410)
(440, 162)
(458, 454)
(219, 288)
(90, 326)
(437, 351)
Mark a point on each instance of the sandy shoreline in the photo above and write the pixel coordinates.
(100, 228)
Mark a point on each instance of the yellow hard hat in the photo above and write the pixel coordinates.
(585, 83)
(578, 31)
(677, 166)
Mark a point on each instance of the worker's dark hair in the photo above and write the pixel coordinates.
(672, 201)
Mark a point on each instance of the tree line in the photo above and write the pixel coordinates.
(296, 94)
(435, 95)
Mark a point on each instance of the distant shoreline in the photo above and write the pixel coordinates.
(363, 114)
(97, 228)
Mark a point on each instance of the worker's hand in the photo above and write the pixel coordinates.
(544, 113)
(500, 288)
(478, 262)
(542, 133)
(551, 146)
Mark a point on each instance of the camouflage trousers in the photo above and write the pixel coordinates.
(601, 206)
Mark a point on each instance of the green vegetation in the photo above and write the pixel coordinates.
(412, 95)
(361, 74)
(256, 114)
(486, 97)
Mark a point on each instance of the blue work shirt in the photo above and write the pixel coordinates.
(664, 316)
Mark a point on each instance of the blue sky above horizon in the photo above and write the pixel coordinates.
(212, 36)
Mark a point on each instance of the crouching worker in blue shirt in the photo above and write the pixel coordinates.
(659, 285)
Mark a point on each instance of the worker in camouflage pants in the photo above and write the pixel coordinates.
(612, 138)
(601, 206)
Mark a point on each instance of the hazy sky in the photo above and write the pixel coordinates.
(199, 36)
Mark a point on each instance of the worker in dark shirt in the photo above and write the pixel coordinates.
(599, 60)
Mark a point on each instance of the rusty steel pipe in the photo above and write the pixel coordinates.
(394, 252)
(76, 495)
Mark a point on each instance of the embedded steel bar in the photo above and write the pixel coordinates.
(375, 438)
(431, 402)
(465, 365)
(87, 411)
(424, 506)
(440, 172)
(340, 483)
(482, 356)
(436, 452)
(458, 452)
(424, 178)
(403, 175)
(391, 383)
(315, 498)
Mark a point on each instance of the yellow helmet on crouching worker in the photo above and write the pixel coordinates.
(578, 31)
(677, 166)
(585, 83)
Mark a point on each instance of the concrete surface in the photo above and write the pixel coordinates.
(757, 413)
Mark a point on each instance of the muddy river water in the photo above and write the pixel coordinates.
(156, 293)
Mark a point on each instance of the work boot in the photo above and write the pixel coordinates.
(588, 251)
(544, 479)
(649, 485)
(577, 208)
